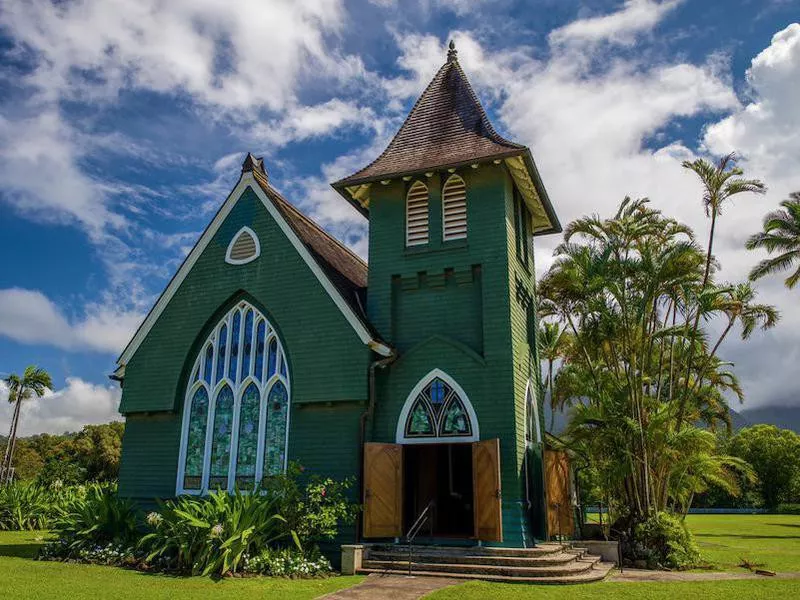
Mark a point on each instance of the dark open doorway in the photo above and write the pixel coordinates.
(441, 473)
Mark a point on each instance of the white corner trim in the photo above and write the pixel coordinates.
(234, 239)
(246, 180)
(400, 431)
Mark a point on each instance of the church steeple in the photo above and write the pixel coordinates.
(448, 128)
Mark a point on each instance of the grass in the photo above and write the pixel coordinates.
(707, 590)
(769, 540)
(23, 578)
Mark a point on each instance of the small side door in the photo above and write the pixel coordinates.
(383, 490)
(487, 492)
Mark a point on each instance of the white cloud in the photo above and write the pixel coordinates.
(79, 403)
(28, 316)
(620, 27)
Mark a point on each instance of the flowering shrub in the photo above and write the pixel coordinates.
(287, 562)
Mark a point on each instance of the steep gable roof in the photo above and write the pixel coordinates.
(342, 274)
(447, 126)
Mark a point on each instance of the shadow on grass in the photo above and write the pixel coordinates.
(20, 550)
(747, 536)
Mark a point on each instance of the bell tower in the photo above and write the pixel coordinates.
(453, 208)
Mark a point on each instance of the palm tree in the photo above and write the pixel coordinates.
(550, 343)
(720, 183)
(781, 233)
(34, 381)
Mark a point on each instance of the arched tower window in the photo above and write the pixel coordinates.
(236, 411)
(417, 215)
(533, 431)
(437, 409)
(454, 209)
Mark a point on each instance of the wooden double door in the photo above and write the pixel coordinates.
(400, 479)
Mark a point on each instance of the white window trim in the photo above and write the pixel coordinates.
(246, 180)
(400, 433)
(532, 409)
(463, 236)
(242, 261)
(238, 390)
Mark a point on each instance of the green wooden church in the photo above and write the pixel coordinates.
(418, 375)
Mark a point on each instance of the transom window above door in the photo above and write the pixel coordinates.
(437, 410)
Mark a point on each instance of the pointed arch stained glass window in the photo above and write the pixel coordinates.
(438, 411)
(196, 442)
(245, 424)
(247, 451)
(277, 411)
(221, 439)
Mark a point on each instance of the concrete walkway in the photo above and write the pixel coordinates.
(396, 587)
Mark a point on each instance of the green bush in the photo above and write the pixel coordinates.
(24, 505)
(788, 509)
(664, 541)
(89, 518)
(314, 507)
(213, 534)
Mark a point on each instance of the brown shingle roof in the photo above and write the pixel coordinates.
(344, 269)
(446, 127)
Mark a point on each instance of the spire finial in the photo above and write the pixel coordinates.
(452, 53)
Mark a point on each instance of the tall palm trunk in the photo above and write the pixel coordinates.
(8, 457)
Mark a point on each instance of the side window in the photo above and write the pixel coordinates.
(417, 215)
(522, 220)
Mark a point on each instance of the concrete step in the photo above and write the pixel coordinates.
(423, 555)
(597, 573)
(539, 550)
(573, 567)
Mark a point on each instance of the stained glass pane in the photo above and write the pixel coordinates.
(272, 359)
(283, 365)
(259, 368)
(237, 318)
(248, 345)
(437, 392)
(420, 420)
(275, 442)
(221, 440)
(221, 353)
(196, 441)
(209, 363)
(455, 420)
(248, 438)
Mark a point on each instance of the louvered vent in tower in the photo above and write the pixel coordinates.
(243, 248)
(417, 215)
(454, 209)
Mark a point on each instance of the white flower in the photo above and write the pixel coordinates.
(216, 530)
(154, 519)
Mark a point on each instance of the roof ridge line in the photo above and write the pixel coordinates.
(271, 190)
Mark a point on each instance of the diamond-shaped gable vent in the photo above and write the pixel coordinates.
(243, 248)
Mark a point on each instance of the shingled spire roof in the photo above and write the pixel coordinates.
(446, 128)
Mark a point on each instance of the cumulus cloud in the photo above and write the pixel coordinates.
(77, 404)
(620, 27)
(30, 317)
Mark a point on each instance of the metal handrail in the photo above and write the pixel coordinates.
(415, 529)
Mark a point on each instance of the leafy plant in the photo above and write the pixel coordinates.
(94, 516)
(314, 507)
(663, 540)
(24, 506)
(212, 535)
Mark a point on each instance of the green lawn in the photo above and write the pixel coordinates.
(21, 577)
(707, 590)
(771, 540)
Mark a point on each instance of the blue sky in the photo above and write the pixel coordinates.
(123, 124)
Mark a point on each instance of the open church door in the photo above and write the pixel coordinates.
(383, 490)
(487, 495)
